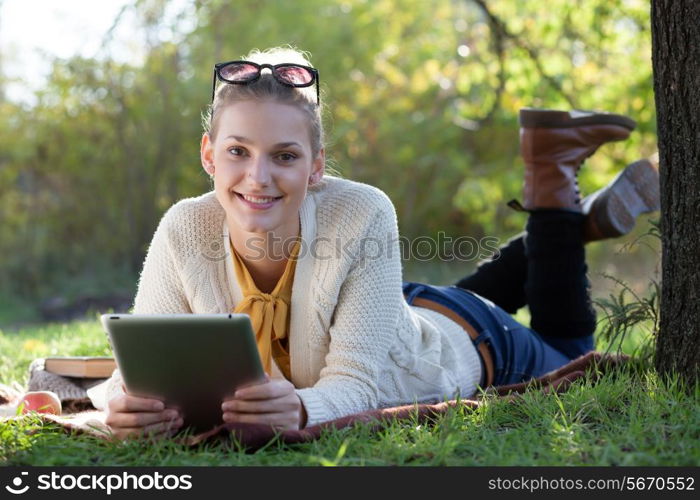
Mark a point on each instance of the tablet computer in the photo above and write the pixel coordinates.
(192, 362)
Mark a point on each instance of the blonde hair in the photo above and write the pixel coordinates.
(268, 88)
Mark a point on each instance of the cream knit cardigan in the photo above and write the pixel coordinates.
(354, 343)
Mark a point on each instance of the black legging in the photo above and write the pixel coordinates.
(545, 269)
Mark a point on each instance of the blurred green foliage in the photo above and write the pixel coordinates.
(422, 101)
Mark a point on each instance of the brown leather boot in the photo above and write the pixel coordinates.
(554, 144)
(612, 210)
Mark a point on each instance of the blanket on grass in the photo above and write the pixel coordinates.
(80, 417)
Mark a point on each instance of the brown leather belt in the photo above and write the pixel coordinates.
(482, 347)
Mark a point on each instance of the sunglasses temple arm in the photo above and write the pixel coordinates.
(213, 86)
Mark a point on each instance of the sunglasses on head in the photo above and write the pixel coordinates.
(243, 72)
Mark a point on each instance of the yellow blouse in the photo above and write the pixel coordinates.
(269, 312)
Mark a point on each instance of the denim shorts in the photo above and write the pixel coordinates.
(519, 353)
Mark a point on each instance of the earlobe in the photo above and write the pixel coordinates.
(319, 165)
(206, 155)
(315, 177)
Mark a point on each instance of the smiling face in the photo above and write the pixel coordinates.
(262, 162)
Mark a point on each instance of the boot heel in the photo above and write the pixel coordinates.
(645, 178)
(612, 211)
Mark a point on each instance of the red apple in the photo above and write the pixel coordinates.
(42, 402)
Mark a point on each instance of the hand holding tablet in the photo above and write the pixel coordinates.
(189, 362)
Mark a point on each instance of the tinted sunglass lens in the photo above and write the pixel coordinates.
(295, 75)
(238, 72)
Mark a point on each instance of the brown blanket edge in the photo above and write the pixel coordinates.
(84, 419)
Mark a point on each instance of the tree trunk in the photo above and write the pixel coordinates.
(676, 62)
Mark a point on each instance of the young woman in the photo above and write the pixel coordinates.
(314, 260)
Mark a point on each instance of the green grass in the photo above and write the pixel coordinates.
(629, 417)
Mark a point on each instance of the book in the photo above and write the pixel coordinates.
(81, 366)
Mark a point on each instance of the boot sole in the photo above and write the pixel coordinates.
(550, 118)
(634, 191)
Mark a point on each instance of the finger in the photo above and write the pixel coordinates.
(288, 420)
(272, 389)
(264, 380)
(168, 429)
(278, 405)
(128, 433)
(139, 419)
(163, 427)
(126, 403)
(159, 430)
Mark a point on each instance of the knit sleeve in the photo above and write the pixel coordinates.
(160, 288)
(365, 323)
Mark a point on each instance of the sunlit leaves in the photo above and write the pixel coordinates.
(422, 100)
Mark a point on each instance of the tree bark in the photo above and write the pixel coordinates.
(676, 63)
